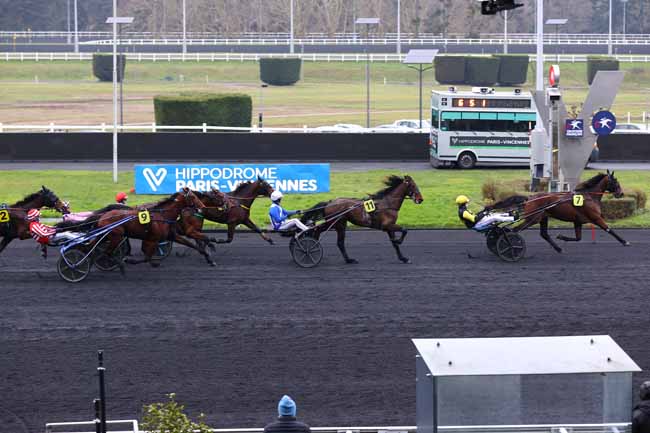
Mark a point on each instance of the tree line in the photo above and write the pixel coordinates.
(230, 17)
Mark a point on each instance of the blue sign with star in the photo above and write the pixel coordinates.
(574, 128)
(604, 122)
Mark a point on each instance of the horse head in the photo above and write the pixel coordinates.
(52, 201)
(412, 190)
(190, 199)
(613, 186)
(263, 188)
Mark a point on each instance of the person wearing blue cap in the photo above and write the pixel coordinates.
(286, 422)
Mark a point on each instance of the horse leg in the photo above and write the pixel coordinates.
(600, 222)
(401, 239)
(251, 225)
(340, 242)
(4, 243)
(391, 230)
(231, 234)
(543, 231)
(578, 228)
(199, 246)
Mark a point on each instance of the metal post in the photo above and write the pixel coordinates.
(69, 35)
(98, 422)
(114, 92)
(624, 18)
(505, 32)
(399, 27)
(121, 77)
(76, 28)
(291, 46)
(557, 41)
(261, 113)
(420, 70)
(367, 81)
(102, 390)
(184, 29)
(609, 37)
(539, 72)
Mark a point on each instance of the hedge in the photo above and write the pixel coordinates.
(103, 66)
(280, 72)
(513, 69)
(450, 69)
(482, 71)
(618, 208)
(600, 63)
(194, 109)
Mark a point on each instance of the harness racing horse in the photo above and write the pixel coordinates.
(162, 216)
(387, 203)
(234, 211)
(580, 207)
(18, 227)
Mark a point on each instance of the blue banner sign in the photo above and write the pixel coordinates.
(288, 178)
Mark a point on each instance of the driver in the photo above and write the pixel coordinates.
(121, 198)
(279, 216)
(44, 234)
(480, 220)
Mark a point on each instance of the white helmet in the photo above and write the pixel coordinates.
(276, 195)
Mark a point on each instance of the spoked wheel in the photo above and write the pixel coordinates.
(307, 252)
(511, 247)
(164, 250)
(107, 263)
(491, 240)
(73, 267)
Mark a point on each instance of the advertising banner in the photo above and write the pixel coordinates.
(288, 178)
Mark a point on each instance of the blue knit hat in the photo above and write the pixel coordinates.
(286, 406)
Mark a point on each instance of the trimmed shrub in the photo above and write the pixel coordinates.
(618, 208)
(450, 69)
(103, 66)
(493, 190)
(194, 109)
(600, 63)
(481, 71)
(639, 195)
(513, 69)
(280, 72)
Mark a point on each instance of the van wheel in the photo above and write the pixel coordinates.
(466, 160)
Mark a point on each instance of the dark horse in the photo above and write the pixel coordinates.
(567, 207)
(163, 216)
(233, 211)
(18, 227)
(387, 204)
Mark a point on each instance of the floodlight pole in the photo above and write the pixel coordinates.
(609, 37)
(399, 27)
(114, 91)
(291, 44)
(184, 28)
(505, 32)
(539, 70)
(69, 38)
(624, 18)
(76, 28)
(121, 68)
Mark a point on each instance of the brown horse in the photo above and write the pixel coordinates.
(234, 211)
(161, 227)
(18, 227)
(580, 207)
(387, 204)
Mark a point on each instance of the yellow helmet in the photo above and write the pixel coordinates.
(462, 199)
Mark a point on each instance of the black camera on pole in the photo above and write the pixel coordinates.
(491, 7)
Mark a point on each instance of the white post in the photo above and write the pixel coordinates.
(505, 32)
(399, 27)
(609, 37)
(291, 46)
(76, 28)
(539, 72)
(184, 29)
(114, 90)
(69, 35)
(624, 18)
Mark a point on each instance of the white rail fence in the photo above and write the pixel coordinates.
(537, 428)
(254, 57)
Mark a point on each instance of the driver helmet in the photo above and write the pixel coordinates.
(276, 196)
(33, 215)
(462, 199)
(121, 197)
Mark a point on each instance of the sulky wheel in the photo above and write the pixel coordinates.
(491, 240)
(307, 252)
(107, 263)
(164, 250)
(73, 266)
(511, 247)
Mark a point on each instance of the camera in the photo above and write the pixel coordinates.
(554, 95)
(491, 7)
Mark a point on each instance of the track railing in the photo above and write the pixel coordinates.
(254, 57)
(60, 427)
(533, 428)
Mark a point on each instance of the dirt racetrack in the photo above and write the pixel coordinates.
(231, 340)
